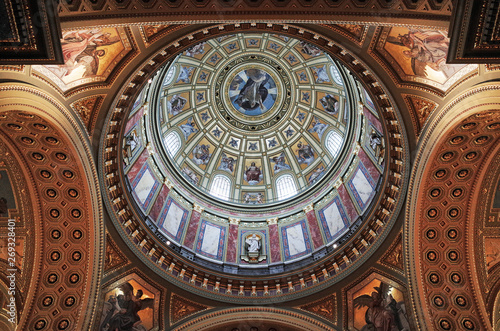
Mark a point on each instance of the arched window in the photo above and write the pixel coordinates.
(172, 143)
(333, 142)
(285, 187)
(336, 75)
(221, 186)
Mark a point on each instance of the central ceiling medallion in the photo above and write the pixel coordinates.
(253, 92)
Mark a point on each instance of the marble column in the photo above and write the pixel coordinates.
(160, 200)
(136, 167)
(274, 240)
(312, 221)
(193, 226)
(232, 240)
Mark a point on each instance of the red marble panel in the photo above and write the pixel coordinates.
(317, 239)
(347, 202)
(134, 119)
(231, 243)
(136, 167)
(274, 243)
(192, 229)
(368, 163)
(158, 204)
(375, 121)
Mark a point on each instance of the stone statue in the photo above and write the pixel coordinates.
(253, 243)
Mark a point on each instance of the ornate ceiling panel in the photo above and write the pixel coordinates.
(30, 32)
(91, 57)
(416, 58)
(475, 32)
(189, 11)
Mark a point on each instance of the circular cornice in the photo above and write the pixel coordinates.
(325, 271)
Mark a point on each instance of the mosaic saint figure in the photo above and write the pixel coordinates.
(383, 313)
(80, 51)
(318, 127)
(253, 174)
(121, 312)
(429, 47)
(305, 153)
(188, 128)
(280, 163)
(201, 154)
(175, 104)
(253, 94)
(330, 104)
(227, 163)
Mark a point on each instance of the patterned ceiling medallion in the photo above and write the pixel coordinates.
(253, 92)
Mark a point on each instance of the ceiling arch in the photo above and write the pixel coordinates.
(62, 176)
(439, 220)
(279, 319)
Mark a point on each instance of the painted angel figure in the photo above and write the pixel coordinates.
(305, 153)
(188, 128)
(310, 49)
(321, 74)
(227, 163)
(383, 313)
(316, 175)
(175, 104)
(318, 127)
(120, 312)
(201, 154)
(280, 163)
(196, 49)
(330, 104)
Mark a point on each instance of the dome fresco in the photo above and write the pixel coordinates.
(252, 111)
(253, 129)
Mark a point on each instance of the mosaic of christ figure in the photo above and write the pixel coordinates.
(252, 92)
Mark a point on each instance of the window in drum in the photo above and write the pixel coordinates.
(221, 186)
(285, 187)
(172, 143)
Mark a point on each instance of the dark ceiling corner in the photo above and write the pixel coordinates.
(475, 32)
(30, 32)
